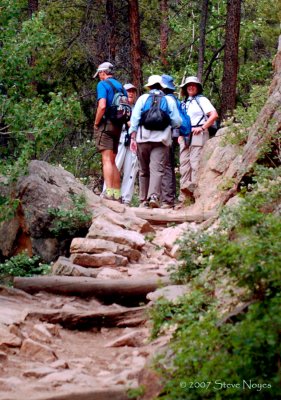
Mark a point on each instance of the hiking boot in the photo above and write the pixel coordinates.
(167, 205)
(154, 201)
(144, 204)
(107, 197)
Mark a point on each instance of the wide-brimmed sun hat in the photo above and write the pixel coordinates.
(168, 82)
(103, 67)
(192, 79)
(153, 79)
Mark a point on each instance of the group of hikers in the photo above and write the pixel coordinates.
(141, 136)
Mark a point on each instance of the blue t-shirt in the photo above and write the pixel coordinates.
(105, 91)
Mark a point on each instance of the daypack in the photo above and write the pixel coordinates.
(185, 128)
(213, 128)
(155, 113)
(119, 112)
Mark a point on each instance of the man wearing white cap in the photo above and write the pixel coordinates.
(106, 133)
(152, 144)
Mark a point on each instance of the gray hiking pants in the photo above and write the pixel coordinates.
(152, 158)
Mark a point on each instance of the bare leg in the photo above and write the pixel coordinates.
(111, 174)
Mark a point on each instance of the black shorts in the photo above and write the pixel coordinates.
(107, 136)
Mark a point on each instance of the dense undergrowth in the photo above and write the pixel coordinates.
(220, 352)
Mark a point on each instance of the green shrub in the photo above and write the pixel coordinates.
(68, 222)
(213, 356)
(22, 265)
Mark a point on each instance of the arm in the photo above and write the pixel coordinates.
(212, 117)
(136, 114)
(100, 112)
(174, 113)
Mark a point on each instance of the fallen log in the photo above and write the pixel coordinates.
(162, 216)
(122, 291)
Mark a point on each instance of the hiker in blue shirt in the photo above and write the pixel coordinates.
(152, 145)
(107, 133)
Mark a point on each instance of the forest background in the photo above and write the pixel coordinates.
(49, 51)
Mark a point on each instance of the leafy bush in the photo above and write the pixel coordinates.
(67, 222)
(228, 357)
(22, 265)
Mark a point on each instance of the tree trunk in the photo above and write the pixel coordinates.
(111, 21)
(164, 31)
(230, 72)
(33, 6)
(136, 59)
(202, 30)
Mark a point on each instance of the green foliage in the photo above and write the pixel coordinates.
(239, 359)
(82, 160)
(67, 222)
(244, 117)
(136, 392)
(36, 120)
(22, 265)
(8, 208)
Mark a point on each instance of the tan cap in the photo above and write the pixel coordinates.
(103, 67)
(129, 86)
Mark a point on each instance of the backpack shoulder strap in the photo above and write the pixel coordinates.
(111, 84)
(196, 98)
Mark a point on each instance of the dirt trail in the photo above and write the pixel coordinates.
(99, 358)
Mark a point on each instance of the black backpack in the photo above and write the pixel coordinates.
(120, 110)
(155, 113)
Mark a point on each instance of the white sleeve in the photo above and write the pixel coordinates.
(206, 105)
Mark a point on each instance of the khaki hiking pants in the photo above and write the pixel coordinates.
(189, 164)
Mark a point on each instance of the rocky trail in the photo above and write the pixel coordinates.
(83, 332)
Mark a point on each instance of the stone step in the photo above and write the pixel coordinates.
(94, 246)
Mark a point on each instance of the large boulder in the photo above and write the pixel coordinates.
(44, 187)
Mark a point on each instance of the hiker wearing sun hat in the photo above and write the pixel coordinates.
(152, 120)
(202, 115)
(106, 130)
(168, 188)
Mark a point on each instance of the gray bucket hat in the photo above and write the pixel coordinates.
(192, 79)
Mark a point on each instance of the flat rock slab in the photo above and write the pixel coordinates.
(63, 266)
(95, 246)
(94, 394)
(108, 318)
(99, 260)
(114, 233)
(118, 290)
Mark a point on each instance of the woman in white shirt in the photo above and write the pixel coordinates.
(202, 115)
